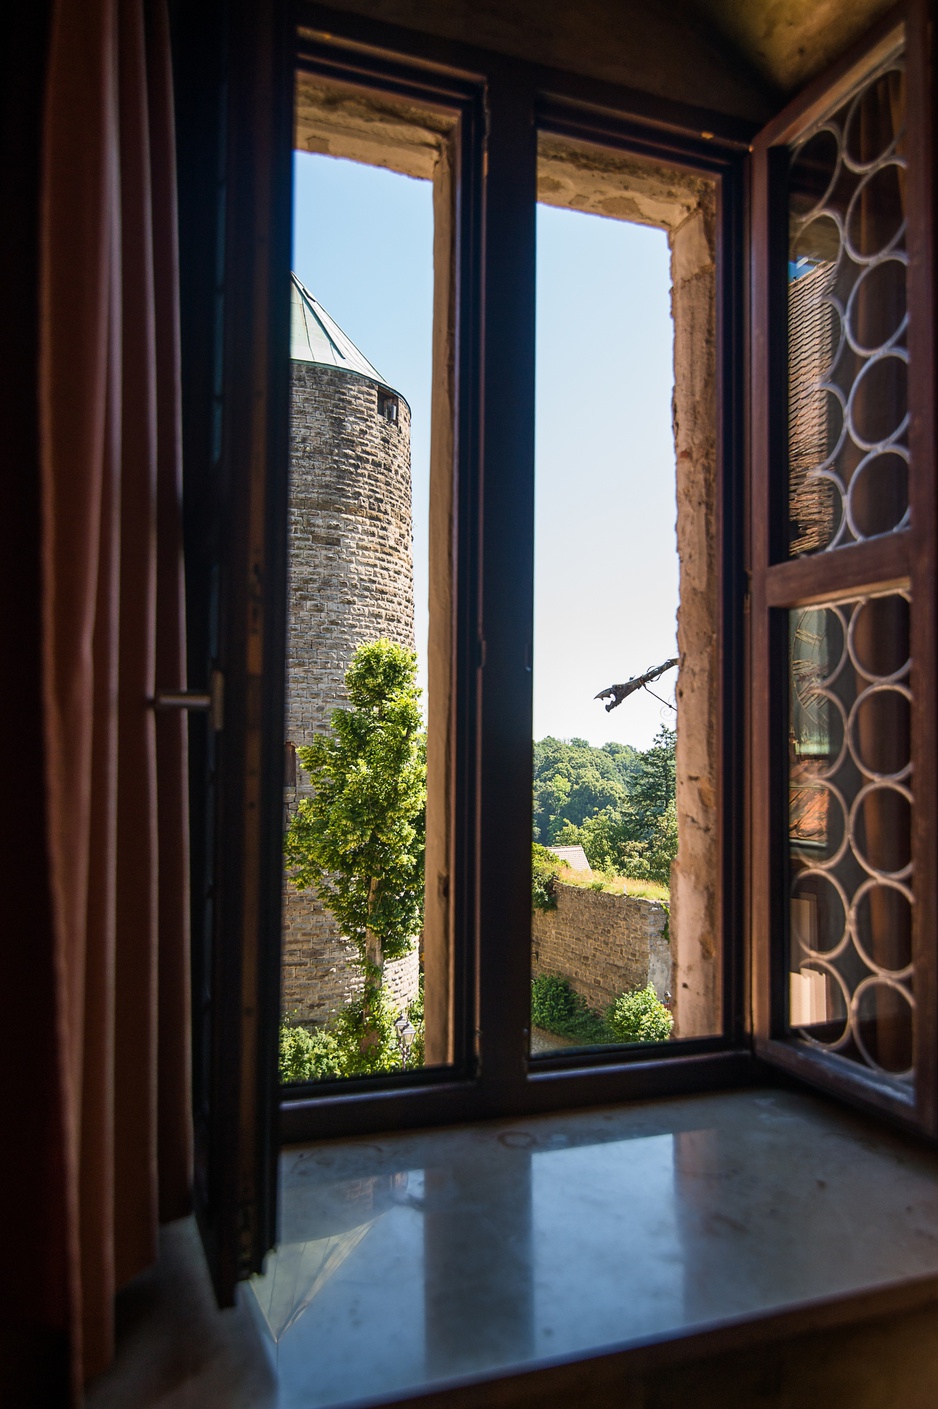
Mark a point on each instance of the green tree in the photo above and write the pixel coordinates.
(654, 783)
(360, 838)
(573, 781)
(650, 857)
(544, 871)
(601, 837)
(634, 831)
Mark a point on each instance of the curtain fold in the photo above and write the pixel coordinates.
(112, 599)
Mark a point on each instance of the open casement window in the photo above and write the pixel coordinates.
(843, 581)
(233, 158)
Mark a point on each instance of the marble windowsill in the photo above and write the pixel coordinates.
(420, 1259)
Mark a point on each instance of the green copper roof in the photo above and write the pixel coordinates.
(315, 337)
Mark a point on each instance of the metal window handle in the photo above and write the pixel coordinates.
(182, 699)
(211, 701)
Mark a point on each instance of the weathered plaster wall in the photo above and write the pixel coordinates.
(604, 944)
(350, 581)
(373, 128)
(439, 958)
(695, 876)
(579, 176)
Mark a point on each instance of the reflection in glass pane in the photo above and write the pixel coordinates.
(849, 830)
(847, 319)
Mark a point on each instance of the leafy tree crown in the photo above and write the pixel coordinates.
(360, 838)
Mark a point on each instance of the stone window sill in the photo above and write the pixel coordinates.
(531, 1252)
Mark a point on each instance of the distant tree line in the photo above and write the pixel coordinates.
(617, 802)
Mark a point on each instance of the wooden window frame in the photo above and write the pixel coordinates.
(906, 556)
(502, 104)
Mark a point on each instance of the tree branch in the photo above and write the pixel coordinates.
(617, 693)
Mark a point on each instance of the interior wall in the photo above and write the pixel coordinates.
(789, 41)
(737, 57)
(668, 50)
(696, 917)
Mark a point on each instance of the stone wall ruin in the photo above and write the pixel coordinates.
(603, 944)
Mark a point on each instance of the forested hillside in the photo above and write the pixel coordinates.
(616, 802)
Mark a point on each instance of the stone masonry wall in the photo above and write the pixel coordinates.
(350, 581)
(351, 542)
(603, 944)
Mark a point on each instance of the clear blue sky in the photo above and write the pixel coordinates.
(606, 564)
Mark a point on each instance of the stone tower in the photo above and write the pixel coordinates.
(350, 581)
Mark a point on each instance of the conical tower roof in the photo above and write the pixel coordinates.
(315, 337)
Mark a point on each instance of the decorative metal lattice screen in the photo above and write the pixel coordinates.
(849, 767)
(850, 830)
(847, 317)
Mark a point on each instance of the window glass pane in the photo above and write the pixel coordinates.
(625, 928)
(850, 816)
(359, 722)
(847, 320)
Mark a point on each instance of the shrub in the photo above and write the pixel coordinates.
(558, 1008)
(639, 1016)
(545, 867)
(357, 1044)
(307, 1054)
(366, 1037)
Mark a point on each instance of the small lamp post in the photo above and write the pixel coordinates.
(406, 1033)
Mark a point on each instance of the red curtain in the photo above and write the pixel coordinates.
(112, 634)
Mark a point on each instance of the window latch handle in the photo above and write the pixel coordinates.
(210, 701)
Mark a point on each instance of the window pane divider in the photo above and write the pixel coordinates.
(873, 566)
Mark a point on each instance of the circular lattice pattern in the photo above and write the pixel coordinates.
(848, 322)
(852, 898)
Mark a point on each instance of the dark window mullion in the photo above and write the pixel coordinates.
(505, 604)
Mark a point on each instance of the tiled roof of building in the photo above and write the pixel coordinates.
(574, 856)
